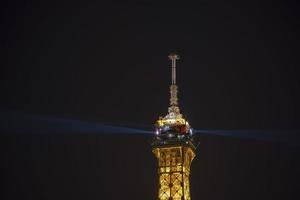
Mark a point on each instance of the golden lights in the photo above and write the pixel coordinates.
(174, 169)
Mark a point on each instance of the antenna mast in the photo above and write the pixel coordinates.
(173, 88)
(173, 57)
(173, 120)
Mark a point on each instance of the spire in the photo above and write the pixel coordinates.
(173, 57)
(173, 120)
(173, 88)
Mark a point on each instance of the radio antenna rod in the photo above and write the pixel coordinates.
(173, 88)
(173, 57)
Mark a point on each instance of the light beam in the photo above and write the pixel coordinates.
(22, 123)
(288, 136)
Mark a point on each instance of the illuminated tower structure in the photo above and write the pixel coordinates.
(174, 148)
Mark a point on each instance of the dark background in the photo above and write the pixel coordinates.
(101, 62)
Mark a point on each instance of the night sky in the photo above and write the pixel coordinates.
(108, 63)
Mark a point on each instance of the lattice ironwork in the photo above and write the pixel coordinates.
(174, 169)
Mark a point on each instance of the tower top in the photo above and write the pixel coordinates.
(174, 148)
(173, 122)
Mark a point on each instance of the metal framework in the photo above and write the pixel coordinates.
(174, 149)
(174, 170)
